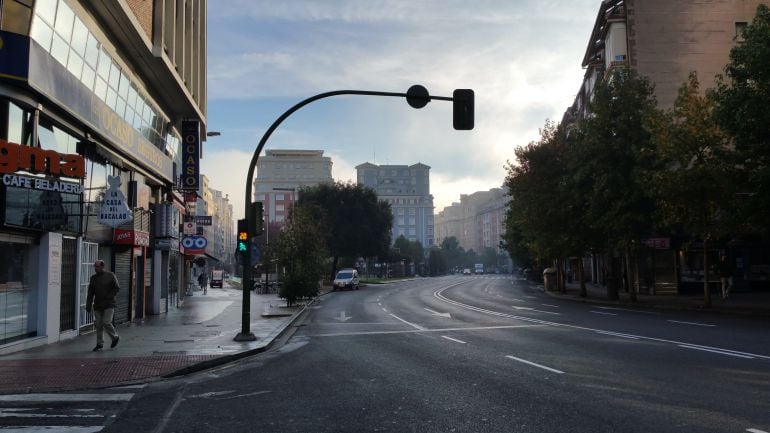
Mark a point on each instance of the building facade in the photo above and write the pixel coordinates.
(92, 99)
(280, 175)
(407, 189)
(477, 221)
(665, 41)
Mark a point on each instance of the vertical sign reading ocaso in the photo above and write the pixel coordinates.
(191, 144)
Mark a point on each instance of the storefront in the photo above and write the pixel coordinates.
(77, 125)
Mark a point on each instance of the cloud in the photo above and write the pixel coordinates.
(522, 59)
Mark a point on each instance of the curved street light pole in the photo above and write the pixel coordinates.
(246, 334)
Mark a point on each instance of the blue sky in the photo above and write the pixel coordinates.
(521, 57)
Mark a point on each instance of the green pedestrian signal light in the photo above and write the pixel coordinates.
(243, 236)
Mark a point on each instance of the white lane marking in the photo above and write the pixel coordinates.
(690, 323)
(17, 413)
(52, 429)
(534, 364)
(453, 339)
(438, 294)
(385, 310)
(754, 430)
(436, 313)
(625, 309)
(721, 352)
(517, 300)
(617, 334)
(137, 386)
(343, 317)
(408, 323)
(380, 304)
(530, 297)
(479, 328)
(212, 394)
(532, 309)
(602, 312)
(549, 305)
(66, 397)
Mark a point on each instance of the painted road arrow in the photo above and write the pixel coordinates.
(343, 317)
(436, 313)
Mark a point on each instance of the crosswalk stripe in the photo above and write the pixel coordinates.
(51, 429)
(66, 397)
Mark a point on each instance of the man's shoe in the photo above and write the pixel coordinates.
(98, 348)
(115, 342)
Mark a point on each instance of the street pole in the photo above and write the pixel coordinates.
(416, 99)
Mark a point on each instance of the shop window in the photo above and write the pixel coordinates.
(16, 297)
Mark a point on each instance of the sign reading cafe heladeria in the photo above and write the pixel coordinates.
(115, 210)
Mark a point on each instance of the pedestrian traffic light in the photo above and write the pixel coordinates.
(462, 109)
(257, 224)
(243, 237)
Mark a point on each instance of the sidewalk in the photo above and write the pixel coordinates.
(755, 303)
(198, 334)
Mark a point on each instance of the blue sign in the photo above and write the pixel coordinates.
(194, 242)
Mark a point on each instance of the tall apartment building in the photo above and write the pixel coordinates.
(407, 189)
(101, 88)
(280, 175)
(477, 221)
(215, 222)
(664, 41)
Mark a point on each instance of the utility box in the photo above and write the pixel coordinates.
(549, 278)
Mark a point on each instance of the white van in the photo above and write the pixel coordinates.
(346, 279)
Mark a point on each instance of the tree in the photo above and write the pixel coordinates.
(356, 223)
(436, 262)
(301, 250)
(742, 111)
(616, 151)
(452, 252)
(694, 187)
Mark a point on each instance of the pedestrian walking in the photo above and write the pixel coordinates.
(102, 289)
(725, 275)
(203, 281)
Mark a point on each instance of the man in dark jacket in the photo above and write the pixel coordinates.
(102, 289)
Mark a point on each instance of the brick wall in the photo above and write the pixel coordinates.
(142, 10)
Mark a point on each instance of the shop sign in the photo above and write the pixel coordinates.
(203, 220)
(15, 157)
(166, 244)
(115, 211)
(191, 144)
(42, 184)
(189, 228)
(657, 243)
(131, 237)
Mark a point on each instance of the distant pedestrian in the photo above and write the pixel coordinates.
(102, 289)
(726, 275)
(203, 281)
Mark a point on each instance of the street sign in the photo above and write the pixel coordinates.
(189, 228)
(203, 220)
(194, 242)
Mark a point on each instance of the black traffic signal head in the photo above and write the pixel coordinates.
(463, 109)
(242, 244)
(256, 219)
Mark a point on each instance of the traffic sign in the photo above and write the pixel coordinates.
(194, 242)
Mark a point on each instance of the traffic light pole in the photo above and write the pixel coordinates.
(417, 97)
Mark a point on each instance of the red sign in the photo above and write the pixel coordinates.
(131, 237)
(14, 157)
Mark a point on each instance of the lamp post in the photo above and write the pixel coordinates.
(417, 97)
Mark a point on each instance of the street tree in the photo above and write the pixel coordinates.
(301, 251)
(453, 252)
(357, 224)
(694, 187)
(436, 262)
(616, 149)
(743, 98)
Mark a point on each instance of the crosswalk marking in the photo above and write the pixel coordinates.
(61, 412)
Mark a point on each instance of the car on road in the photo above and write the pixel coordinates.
(346, 279)
(217, 278)
(466, 271)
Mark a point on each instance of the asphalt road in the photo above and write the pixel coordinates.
(479, 354)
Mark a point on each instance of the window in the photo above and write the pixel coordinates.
(279, 197)
(740, 27)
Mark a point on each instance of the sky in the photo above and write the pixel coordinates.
(521, 58)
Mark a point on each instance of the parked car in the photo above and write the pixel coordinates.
(346, 279)
(466, 271)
